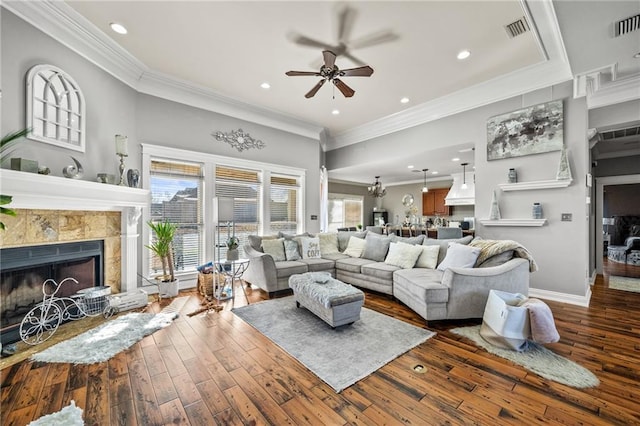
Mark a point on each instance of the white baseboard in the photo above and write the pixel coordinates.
(572, 299)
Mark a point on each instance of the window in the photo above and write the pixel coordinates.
(176, 196)
(344, 211)
(244, 187)
(283, 204)
(55, 108)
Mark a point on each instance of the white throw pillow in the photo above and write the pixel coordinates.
(428, 258)
(328, 243)
(310, 247)
(275, 248)
(403, 255)
(355, 247)
(459, 256)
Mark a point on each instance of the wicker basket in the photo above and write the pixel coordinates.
(205, 283)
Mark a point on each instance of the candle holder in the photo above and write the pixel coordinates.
(122, 167)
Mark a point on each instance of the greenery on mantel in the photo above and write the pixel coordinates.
(4, 144)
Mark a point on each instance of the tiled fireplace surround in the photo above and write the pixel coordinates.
(52, 210)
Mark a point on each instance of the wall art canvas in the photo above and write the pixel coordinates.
(527, 131)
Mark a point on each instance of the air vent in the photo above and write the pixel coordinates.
(517, 28)
(620, 133)
(628, 25)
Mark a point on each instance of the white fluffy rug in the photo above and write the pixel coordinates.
(538, 359)
(106, 340)
(68, 416)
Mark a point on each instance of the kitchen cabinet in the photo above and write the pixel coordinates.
(433, 202)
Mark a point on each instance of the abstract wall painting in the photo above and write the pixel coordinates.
(527, 131)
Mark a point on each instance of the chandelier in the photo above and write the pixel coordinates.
(377, 190)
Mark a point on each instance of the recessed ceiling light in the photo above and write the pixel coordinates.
(119, 28)
(463, 54)
(410, 166)
(455, 159)
(404, 100)
(335, 112)
(637, 55)
(265, 85)
(435, 172)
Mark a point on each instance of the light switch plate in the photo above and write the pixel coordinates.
(566, 217)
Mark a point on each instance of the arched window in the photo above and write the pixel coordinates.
(55, 108)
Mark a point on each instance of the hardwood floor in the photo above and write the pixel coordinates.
(215, 369)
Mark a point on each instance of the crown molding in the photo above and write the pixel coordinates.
(601, 87)
(64, 24)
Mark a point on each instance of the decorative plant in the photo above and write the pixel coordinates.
(163, 246)
(4, 143)
(232, 243)
(359, 226)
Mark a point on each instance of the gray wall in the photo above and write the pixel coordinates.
(114, 108)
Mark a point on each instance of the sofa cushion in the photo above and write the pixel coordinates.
(287, 268)
(316, 265)
(496, 260)
(444, 244)
(428, 258)
(291, 250)
(335, 256)
(376, 247)
(275, 248)
(403, 255)
(418, 239)
(459, 256)
(343, 238)
(352, 264)
(310, 247)
(379, 270)
(356, 247)
(255, 241)
(422, 284)
(328, 243)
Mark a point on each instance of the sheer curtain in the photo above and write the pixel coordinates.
(324, 199)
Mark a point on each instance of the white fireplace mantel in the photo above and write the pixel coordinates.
(34, 191)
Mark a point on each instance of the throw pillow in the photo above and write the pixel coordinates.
(428, 258)
(403, 255)
(376, 247)
(344, 236)
(444, 244)
(356, 247)
(418, 239)
(275, 248)
(291, 250)
(310, 247)
(328, 243)
(459, 256)
(255, 241)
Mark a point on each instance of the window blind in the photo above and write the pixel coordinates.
(283, 204)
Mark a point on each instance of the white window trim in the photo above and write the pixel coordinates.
(209, 162)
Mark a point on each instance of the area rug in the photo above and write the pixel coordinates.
(624, 283)
(340, 356)
(537, 359)
(68, 416)
(106, 340)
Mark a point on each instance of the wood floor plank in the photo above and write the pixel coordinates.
(243, 407)
(97, 409)
(213, 396)
(144, 399)
(173, 413)
(124, 414)
(198, 414)
(163, 388)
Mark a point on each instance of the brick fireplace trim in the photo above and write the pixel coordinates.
(52, 209)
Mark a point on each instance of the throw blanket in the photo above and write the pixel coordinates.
(543, 327)
(491, 248)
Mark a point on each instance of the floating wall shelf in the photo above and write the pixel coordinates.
(513, 222)
(540, 184)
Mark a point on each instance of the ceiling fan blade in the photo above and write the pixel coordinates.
(315, 89)
(329, 58)
(379, 37)
(346, 17)
(346, 90)
(306, 41)
(364, 71)
(300, 73)
(353, 59)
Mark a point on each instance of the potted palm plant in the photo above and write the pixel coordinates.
(162, 247)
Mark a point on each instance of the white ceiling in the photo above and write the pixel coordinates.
(230, 47)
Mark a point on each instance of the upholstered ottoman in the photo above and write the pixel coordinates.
(335, 302)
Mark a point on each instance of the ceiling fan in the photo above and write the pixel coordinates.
(330, 72)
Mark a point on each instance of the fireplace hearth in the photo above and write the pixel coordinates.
(24, 269)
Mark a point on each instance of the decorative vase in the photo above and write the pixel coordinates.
(133, 177)
(537, 211)
(564, 171)
(495, 208)
(232, 254)
(513, 176)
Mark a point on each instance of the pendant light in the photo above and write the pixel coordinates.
(424, 186)
(464, 175)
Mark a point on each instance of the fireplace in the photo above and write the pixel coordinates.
(24, 269)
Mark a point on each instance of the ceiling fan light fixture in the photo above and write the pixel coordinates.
(118, 28)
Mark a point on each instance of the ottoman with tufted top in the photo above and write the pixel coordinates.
(330, 299)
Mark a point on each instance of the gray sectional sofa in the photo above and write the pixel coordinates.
(452, 293)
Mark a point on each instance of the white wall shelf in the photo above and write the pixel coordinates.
(513, 222)
(540, 184)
